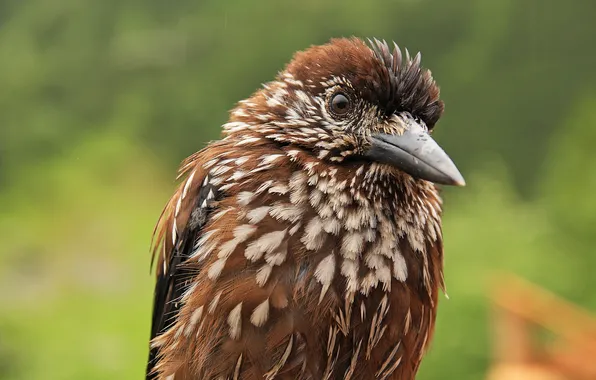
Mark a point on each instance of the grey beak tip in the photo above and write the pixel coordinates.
(460, 182)
(455, 177)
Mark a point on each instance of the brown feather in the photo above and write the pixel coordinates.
(283, 254)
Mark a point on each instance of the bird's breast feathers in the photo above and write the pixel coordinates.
(292, 253)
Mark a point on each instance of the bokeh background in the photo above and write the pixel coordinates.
(100, 100)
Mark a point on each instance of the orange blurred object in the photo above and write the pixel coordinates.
(521, 310)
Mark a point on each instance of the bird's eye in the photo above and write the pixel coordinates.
(340, 104)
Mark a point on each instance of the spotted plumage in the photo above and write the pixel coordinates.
(290, 249)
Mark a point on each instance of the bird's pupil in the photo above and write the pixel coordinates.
(340, 103)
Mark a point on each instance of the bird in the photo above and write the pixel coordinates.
(306, 243)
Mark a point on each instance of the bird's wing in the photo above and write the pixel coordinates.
(179, 228)
(244, 312)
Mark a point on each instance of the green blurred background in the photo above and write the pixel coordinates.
(100, 100)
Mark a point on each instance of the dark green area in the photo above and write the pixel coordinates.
(101, 99)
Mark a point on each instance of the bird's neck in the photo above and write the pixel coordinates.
(367, 205)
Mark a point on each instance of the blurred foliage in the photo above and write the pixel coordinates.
(100, 100)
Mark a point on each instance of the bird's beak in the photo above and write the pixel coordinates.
(417, 154)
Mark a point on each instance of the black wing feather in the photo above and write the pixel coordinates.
(171, 285)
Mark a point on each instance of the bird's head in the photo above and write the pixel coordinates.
(346, 101)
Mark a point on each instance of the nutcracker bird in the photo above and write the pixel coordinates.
(307, 243)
